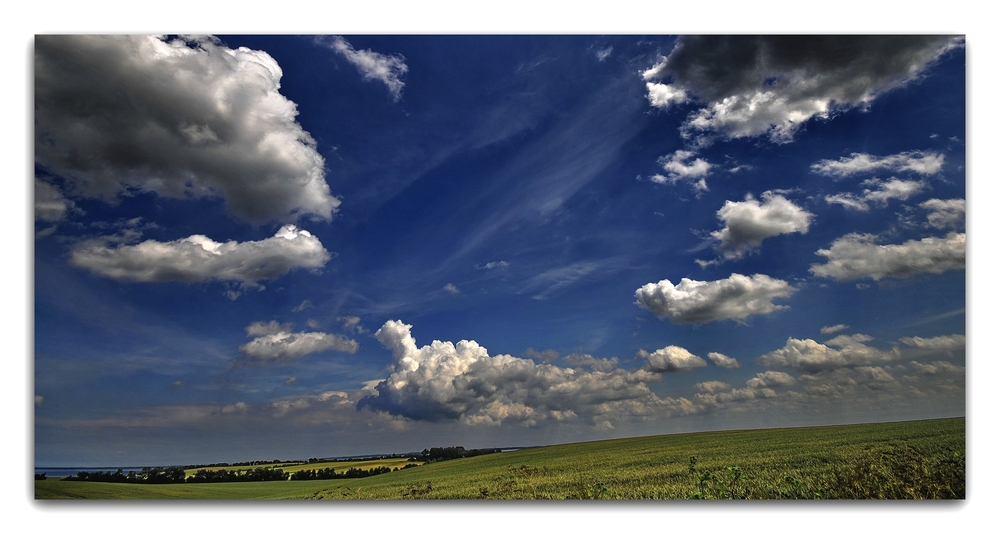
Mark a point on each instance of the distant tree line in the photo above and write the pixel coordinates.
(148, 475)
(259, 474)
(174, 475)
(440, 454)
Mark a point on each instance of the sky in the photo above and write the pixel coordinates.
(291, 246)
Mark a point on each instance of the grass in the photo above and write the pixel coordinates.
(918, 459)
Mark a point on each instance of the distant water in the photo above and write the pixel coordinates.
(67, 471)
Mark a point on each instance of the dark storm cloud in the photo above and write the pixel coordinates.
(182, 118)
(772, 84)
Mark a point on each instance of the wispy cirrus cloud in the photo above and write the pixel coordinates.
(925, 163)
(878, 192)
(388, 69)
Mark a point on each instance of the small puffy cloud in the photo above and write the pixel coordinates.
(179, 117)
(671, 359)
(352, 324)
(694, 301)
(773, 84)
(451, 289)
(750, 222)
(810, 356)
(461, 381)
(198, 258)
(604, 53)
(770, 379)
(291, 380)
(857, 256)
(276, 343)
(721, 360)
(372, 65)
(304, 305)
(925, 163)
(661, 95)
(833, 329)
(679, 168)
(945, 213)
(881, 193)
(50, 204)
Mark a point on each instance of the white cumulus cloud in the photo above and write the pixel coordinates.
(772, 85)
(462, 381)
(694, 301)
(372, 65)
(671, 359)
(276, 343)
(857, 256)
(680, 167)
(721, 360)
(749, 222)
(662, 95)
(180, 117)
(770, 379)
(833, 329)
(198, 258)
(810, 356)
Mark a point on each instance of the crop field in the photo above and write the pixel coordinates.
(907, 460)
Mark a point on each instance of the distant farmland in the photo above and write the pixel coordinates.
(906, 460)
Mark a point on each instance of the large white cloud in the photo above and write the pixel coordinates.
(276, 343)
(750, 222)
(810, 356)
(859, 256)
(671, 359)
(198, 258)
(462, 381)
(757, 85)
(694, 301)
(182, 118)
(374, 66)
(925, 163)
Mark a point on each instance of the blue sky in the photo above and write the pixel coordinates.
(291, 246)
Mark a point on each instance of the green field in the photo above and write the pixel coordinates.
(919, 459)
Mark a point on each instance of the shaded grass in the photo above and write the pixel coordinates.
(918, 459)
